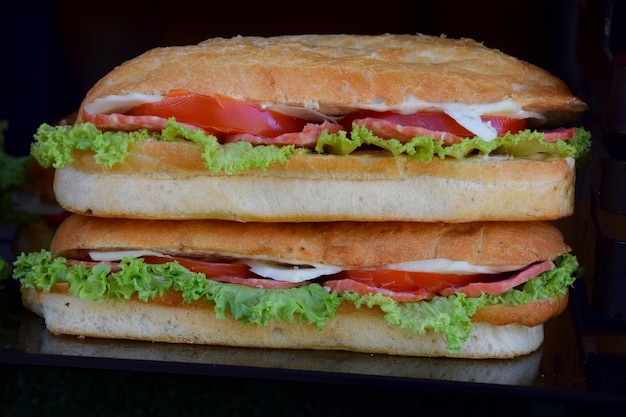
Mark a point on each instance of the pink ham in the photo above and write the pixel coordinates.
(125, 123)
(559, 134)
(364, 289)
(305, 139)
(494, 288)
(387, 130)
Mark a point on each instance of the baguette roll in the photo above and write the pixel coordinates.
(365, 168)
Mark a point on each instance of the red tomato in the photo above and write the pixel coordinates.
(411, 281)
(438, 121)
(219, 114)
(210, 269)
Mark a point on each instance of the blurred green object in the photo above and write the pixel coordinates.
(5, 271)
(13, 174)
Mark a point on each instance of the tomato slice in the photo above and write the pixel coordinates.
(220, 114)
(437, 121)
(412, 281)
(210, 269)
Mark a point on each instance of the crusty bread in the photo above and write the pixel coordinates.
(333, 74)
(336, 73)
(353, 329)
(354, 244)
(165, 180)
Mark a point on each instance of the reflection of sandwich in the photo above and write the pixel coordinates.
(321, 128)
(478, 290)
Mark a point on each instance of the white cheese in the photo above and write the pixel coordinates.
(120, 104)
(290, 273)
(451, 267)
(112, 256)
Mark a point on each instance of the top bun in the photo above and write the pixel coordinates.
(354, 244)
(337, 73)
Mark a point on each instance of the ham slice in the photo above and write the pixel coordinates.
(494, 288)
(386, 129)
(305, 139)
(559, 134)
(351, 285)
(126, 123)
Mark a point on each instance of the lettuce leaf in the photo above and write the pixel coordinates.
(54, 145)
(310, 304)
(424, 148)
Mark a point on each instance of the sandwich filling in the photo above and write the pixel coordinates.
(219, 114)
(413, 300)
(237, 135)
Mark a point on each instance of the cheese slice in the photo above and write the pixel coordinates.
(113, 256)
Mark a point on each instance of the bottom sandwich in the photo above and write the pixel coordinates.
(476, 290)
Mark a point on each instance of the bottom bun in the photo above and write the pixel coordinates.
(523, 370)
(352, 329)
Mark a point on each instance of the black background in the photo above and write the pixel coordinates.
(51, 52)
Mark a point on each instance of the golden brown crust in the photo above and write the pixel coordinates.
(530, 314)
(356, 244)
(331, 72)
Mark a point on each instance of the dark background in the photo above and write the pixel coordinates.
(51, 52)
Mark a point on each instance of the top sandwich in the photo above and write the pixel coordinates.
(321, 128)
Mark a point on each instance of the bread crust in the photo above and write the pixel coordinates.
(353, 329)
(335, 73)
(353, 244)
(168, 180)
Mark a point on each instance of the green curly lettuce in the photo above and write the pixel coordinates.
(425, 148)
(310, 304)
(54, 145)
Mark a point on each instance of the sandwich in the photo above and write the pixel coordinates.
(317, 128)
(470, 290)
(382, 194)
